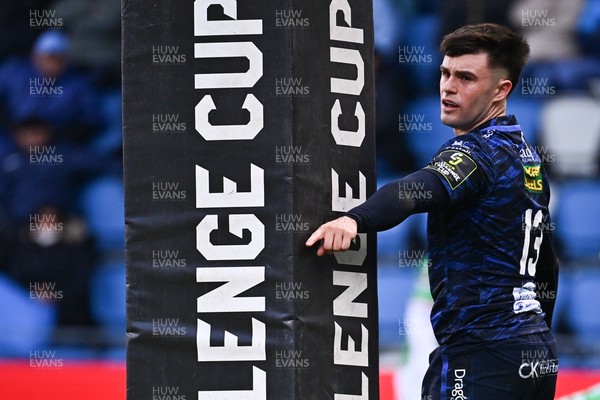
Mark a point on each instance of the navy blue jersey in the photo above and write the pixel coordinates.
(487, 243)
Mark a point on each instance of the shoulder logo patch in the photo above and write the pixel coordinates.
(454, 166)
(533, 178)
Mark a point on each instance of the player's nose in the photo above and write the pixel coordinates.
(448, 85)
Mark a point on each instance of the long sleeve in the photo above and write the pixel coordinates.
(420, 191)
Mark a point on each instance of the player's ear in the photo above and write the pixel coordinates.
(503, 88)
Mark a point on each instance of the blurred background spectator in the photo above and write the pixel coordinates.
(42, 171)
(94, 27)
(558, 53)
(62, 272)
(52, 259)
(44, 86)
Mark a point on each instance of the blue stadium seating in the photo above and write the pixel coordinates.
(110, 140)
(395, 287)
(582, 309)
(569, 127)
(527, 111)
(103, 207)
(26, 324)
(421, 33)
(108, 299)
(588, 27)
(577, 220)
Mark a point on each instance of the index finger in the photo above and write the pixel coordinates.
(315, 237)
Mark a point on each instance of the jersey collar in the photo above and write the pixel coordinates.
(505, 123)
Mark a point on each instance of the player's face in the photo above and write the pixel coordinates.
(471, 92)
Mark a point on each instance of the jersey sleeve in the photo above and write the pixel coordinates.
(464, 166)
(418, 192)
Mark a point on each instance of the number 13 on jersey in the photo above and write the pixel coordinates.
(532, 242)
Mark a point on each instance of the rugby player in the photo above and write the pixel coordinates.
(489, 231)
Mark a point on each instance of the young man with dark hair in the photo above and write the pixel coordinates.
(489, 230)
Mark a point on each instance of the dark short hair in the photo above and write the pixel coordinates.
(505, 48)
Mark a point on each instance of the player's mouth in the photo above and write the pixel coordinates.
(449, 105)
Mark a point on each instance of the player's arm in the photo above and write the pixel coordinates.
(420, 191)
(547, 276)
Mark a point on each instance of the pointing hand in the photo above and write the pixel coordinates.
(334, 235)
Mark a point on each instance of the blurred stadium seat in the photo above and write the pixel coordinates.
(577, 221)
(421, 36)
(527, 111)
(26, 324)
(588, 27)
(102, 204)
(395, 286)
(570, 127)
(108, 301)
(582, 308)
(564, 75)
(109, 140)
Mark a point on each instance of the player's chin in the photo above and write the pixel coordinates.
(448, 120)
(453, 121)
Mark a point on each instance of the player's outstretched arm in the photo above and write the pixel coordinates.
(334, 235)
(388, 207)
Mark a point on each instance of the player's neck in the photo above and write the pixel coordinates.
(497, 110)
